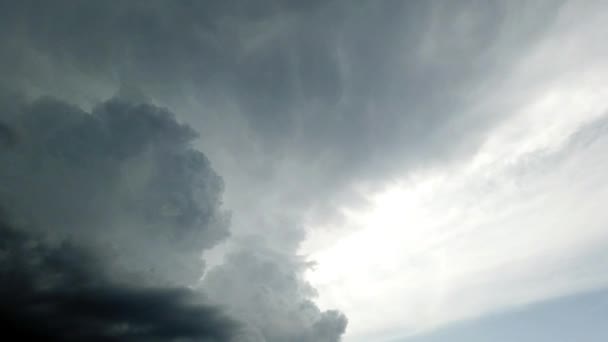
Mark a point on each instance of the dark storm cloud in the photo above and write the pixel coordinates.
(123, 179)
(7, 135)
(61, 187)
(60, 293)
(136, 204)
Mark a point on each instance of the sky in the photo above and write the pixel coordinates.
(303, 171)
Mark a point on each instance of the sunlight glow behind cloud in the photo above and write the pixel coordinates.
(509, 226)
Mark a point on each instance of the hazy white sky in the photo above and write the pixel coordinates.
(520, 220)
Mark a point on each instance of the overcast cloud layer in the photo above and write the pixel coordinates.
(199, 157)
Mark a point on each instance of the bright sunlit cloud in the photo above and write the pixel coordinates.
(513, 224)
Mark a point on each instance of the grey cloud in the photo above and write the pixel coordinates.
(266, 290)
(61, 293)
(123, 178)
(364, 90)
(139, 39)
(8, 136)
(92, 203)
(123, 184)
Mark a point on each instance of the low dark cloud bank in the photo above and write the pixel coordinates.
(60, 293)
(103, 215)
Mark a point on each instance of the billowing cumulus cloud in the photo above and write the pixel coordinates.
(104, 215)
(113, 208)
(266, 290)
(122, 179)
(366, 88)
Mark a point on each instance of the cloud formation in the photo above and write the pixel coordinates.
(61, 293)
(104, 216)
(123, 179)
(119, 178)
(121, 207)
(358, 85)
(303, 107)
(266, 290)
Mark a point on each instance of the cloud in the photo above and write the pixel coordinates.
(480, 237)
(122, 179)
(334, 95)
(266, 290)
(104, 216)
(302, 108)
(61, 293)
(121, 206)
(361, 85)
(140, 158)
(7, 135)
